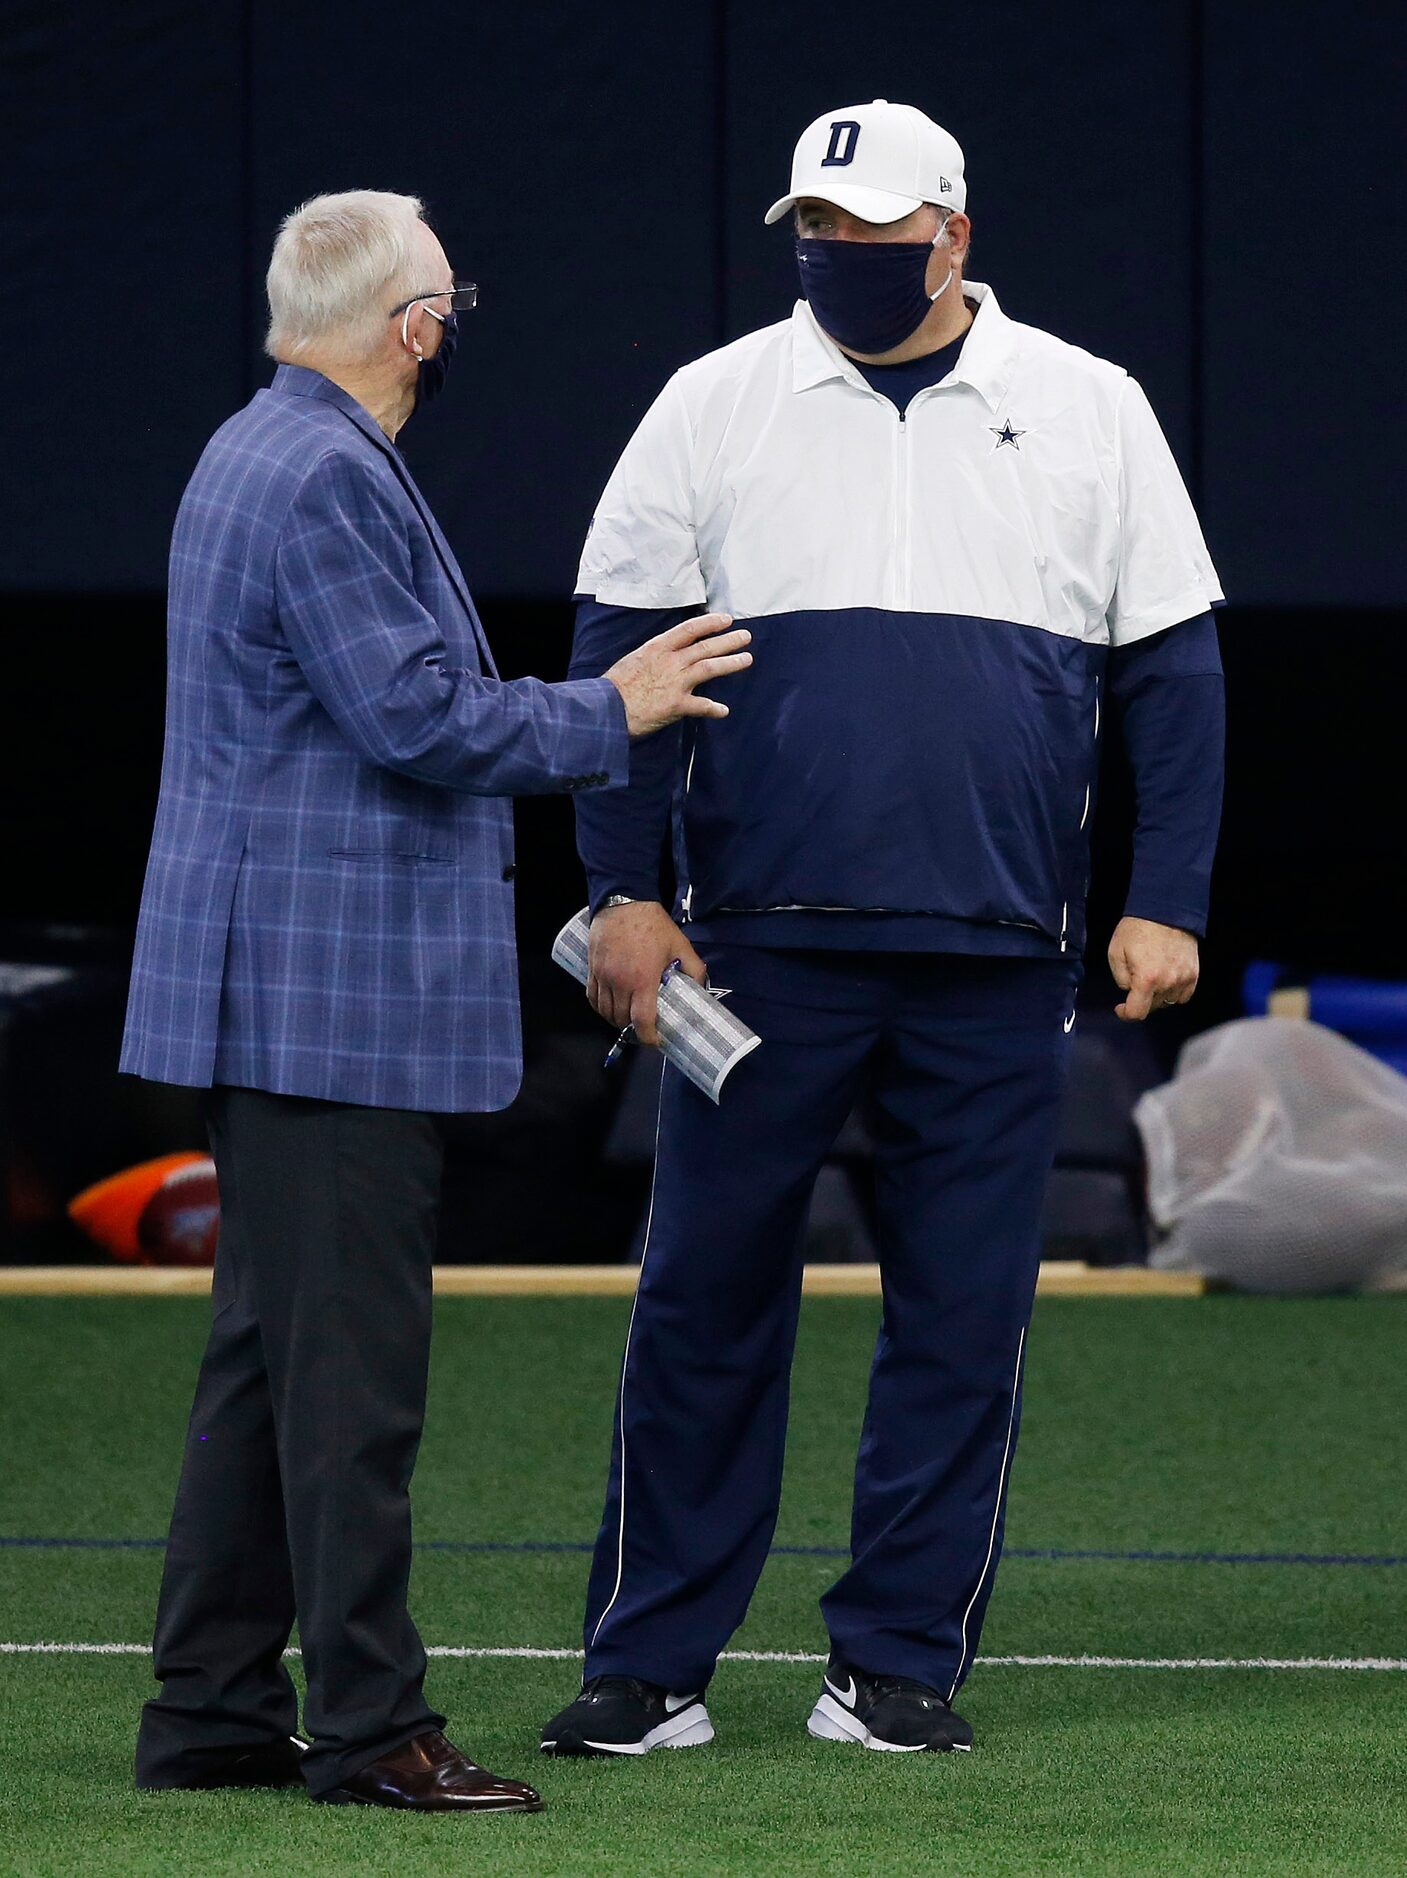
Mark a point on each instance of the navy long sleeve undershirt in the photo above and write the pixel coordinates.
(626, 850)
(1167, 703)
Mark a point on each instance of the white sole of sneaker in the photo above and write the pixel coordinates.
(828, 1721)
(690, 1728)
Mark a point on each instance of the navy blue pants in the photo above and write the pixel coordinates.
(962, 1062)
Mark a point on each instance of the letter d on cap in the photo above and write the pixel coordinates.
(845, 134)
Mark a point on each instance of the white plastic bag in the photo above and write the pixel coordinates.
(1277, 1160)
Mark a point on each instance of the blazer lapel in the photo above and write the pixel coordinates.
(442, 547)
(446, 554)
(299, 379)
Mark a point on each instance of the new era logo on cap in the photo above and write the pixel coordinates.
(880, 161)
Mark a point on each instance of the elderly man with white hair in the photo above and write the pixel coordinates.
(326, 947)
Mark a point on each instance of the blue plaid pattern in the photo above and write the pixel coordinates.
(328, 909)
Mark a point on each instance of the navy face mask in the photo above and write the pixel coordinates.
(868, 295)
(430, 379)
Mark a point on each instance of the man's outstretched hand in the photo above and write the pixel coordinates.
(657, 680)
(1154, 964)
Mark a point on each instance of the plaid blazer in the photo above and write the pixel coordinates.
(328, 908)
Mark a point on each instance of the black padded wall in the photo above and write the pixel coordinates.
(1204, 190)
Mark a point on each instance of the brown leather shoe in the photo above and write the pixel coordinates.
(430, 1775)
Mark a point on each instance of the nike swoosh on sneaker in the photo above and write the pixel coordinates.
(673, 1703)
(846, 1695)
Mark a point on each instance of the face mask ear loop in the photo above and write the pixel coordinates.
(414, 345)
(949, 281)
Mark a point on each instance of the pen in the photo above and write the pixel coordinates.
(617, 1049)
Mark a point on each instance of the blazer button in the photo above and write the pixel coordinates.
(509, 871)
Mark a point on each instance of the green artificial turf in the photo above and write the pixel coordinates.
(1214, 1426)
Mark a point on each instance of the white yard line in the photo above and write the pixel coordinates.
(1193, 1662)
(804, 1656)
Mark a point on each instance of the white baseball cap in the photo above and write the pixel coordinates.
(881, 161)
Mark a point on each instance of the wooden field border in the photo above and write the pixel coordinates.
(1060, 1278)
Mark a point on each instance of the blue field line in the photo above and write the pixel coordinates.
(1211, 1558)
(1056, 1554)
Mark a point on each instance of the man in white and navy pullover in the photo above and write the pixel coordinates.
(964, 552)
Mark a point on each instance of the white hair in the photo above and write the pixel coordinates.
(339, 265)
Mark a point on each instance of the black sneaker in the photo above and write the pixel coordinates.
(623, 1715)
(892, 1713)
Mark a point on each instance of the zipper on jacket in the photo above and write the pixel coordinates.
(1084, 817)
(903, 579)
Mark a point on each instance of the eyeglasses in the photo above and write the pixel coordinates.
(462, 296)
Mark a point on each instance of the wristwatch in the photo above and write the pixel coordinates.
(618, 899)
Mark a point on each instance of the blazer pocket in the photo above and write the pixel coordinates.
(399, 855)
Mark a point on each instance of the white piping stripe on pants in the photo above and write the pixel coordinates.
(625, 1361)
(996, 1516)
